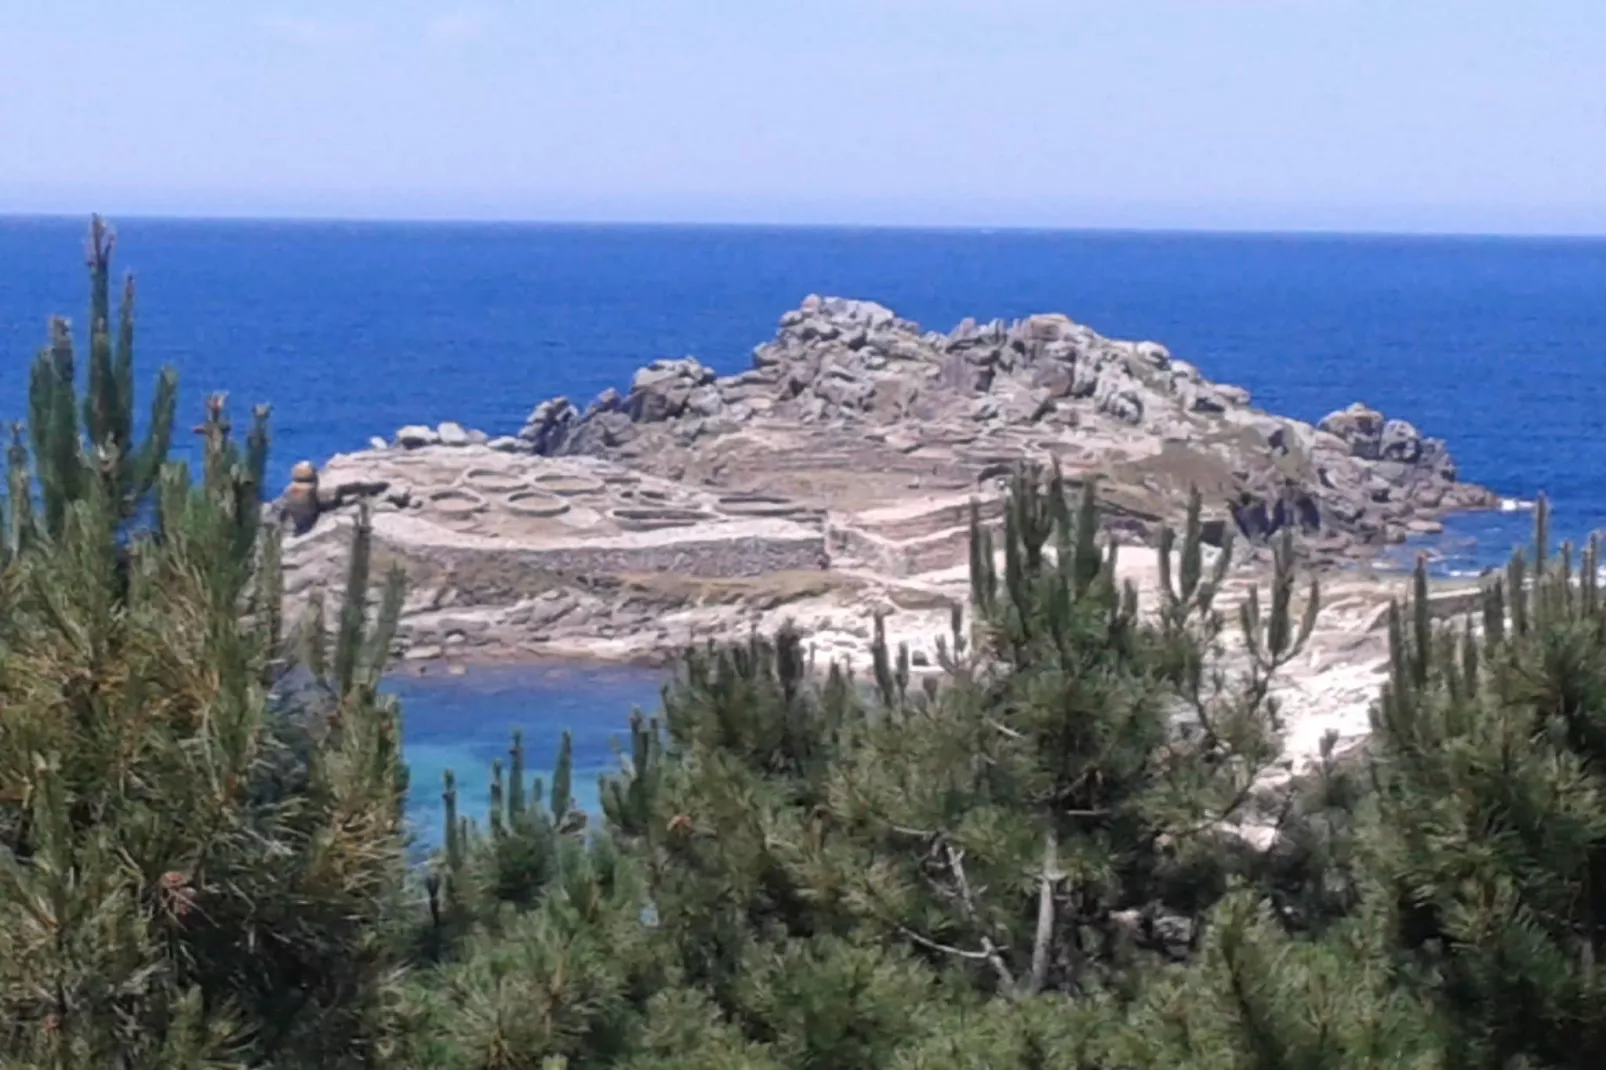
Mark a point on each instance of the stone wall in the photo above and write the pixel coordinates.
(875, 553)
(908, 557)
(708, 558)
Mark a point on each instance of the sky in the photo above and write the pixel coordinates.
(1395, 115)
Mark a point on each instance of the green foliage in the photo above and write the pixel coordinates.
(66, 455)
(1259, 999)
(1489, 772)
(1056, 782)
(194, 870)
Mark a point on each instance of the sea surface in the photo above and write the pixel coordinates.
(351, 330)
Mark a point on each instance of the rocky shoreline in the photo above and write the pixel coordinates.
(834, 481)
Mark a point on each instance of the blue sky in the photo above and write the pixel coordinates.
(1458, 115)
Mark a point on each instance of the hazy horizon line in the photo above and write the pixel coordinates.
(1169, 230)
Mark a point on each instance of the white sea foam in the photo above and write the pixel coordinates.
(1515, 505)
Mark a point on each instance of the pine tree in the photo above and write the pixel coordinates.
(66, 455)
(1078, 764)
(1489, 753)
(1010, 829)
(1259, 998)
(534, 914)
(189, 875)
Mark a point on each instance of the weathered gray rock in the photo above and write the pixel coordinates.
(1360, 428)
(663, 389)
(549, 424)
(1042, 386)
(416, 436)
(1400, 442)
(451, 434)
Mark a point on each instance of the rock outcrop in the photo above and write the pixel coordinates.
(851, 382)
(835, 480)
(832, 481)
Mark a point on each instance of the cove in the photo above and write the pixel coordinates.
(464, 723)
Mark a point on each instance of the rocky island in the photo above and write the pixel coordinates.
(834, 481)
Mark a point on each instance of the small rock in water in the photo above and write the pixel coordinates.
(457, 670)
(452, 434)
(378, 443)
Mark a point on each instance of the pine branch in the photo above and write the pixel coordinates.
(1048, 879)
(354, 607)
(994, 957)
(985, 955)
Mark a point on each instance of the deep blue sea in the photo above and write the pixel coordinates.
(351, 330)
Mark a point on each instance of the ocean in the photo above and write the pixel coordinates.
(464, 723)
(353, 329)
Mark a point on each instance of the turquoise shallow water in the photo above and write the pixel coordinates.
(463, 723)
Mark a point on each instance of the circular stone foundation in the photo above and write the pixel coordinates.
(581, 518)
(455, 501)
(493, 481)
(408, 464)
(535, 503)
(668, 512)
(754, 499)
(653, 525)
(565, 484)
(653, 519)
(763, 505)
